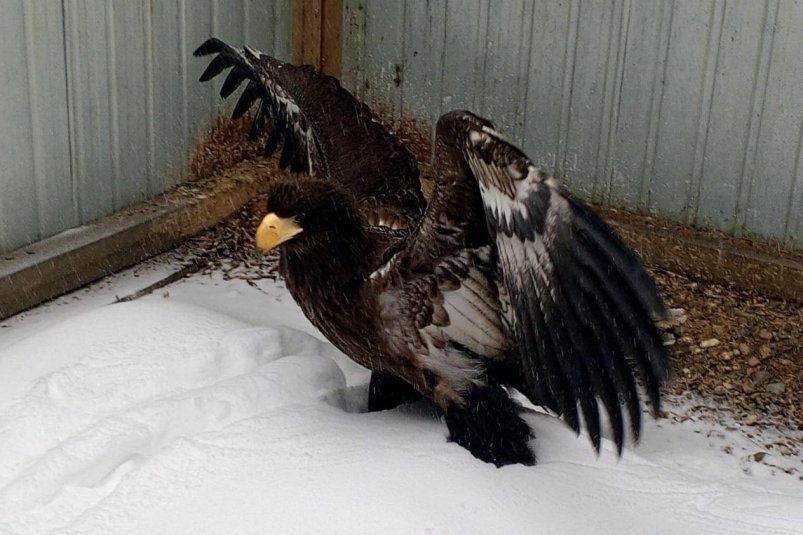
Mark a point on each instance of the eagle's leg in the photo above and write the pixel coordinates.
(386, 391)
(489, 426)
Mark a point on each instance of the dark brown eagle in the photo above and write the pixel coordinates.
(507, 281)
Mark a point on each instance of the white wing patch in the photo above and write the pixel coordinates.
(473, 322)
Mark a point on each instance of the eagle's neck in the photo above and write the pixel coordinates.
(328, 282)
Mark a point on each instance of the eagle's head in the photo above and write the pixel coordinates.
(304, 214)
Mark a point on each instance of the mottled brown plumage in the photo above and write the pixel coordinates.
(507, 281)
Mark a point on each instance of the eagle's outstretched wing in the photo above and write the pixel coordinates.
(575, 302)
(324, 130)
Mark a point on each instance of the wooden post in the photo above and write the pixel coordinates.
(317, 34)
(332, 37)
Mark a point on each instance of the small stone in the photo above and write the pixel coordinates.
(751, 419)
(674, 318)
(761, 377)
(726, 356)
(785, 450)
(727, 386)
(753, 361)
(759, 456)
(744, 349)
(719, 390)
(764, 351)
(711, 342)
(765, 334)
(775, 388)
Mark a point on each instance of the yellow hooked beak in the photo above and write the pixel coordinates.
(275, 230)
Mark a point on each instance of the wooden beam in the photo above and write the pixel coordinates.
(317, 34)
(298, 31)
(332, 38)
(307, 16)
(69, 260)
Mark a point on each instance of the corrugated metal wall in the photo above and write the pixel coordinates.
(100, 100)
(691, 109)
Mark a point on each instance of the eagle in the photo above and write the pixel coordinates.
(504, 282)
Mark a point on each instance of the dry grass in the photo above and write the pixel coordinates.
(225, 145)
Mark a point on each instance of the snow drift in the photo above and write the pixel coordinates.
(218, 410)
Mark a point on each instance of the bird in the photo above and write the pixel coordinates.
(507, 282)
(324, 131)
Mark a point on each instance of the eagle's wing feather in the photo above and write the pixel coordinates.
(584, 306)
(324, 131)
(574, 303)
(301, 149)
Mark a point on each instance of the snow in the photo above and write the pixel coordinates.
(213, 406)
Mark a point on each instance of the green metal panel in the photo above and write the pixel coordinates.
(687, 109)
(101, 101)
(35, 185)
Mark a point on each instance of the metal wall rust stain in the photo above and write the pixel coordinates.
(687, 110)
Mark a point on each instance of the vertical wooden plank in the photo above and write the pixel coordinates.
(684, 106)
(730, 121)
(299, 6)
(307, 16)
(19, 222)
(90, 107)
(47, 82)
(643, 65)
(547, 68)
(312, 33)
(332, 37)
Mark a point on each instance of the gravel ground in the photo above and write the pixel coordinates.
(738, 351)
